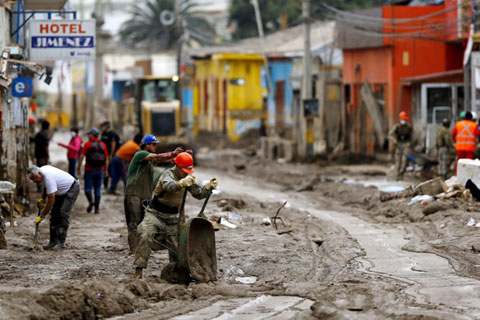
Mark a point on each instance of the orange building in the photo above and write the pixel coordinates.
(411, 57)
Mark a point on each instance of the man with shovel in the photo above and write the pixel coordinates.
(60, 192)
(162, 215)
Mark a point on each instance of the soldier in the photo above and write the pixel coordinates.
(162, 214)
(446, 150)
(401, 136)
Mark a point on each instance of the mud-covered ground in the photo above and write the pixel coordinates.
(347, 254)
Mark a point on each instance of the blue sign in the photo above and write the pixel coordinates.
(22, 87)
(50, 42)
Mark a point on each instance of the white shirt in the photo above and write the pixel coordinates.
(56, 181)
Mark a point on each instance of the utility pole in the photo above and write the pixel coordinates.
(82, 10)
(98, 98)
(179, 28)
(307, 76)
(258, 17)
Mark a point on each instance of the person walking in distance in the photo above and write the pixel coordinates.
(59, 195)
(121, 160)
(96, 167)
(401, 136)
(73, 151)
(112, 141)
(42, 140)
(140, 184)
(446, 150)
(465, 133)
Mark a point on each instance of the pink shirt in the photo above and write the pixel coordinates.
(73, 147)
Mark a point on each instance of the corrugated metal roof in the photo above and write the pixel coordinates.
(44, 4)
(287, 42)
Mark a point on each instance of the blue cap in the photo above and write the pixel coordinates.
(93, 131)
(149, 138)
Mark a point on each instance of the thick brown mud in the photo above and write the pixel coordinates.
(311, 257)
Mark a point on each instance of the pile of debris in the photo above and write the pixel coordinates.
(430, 190)
(463, 185)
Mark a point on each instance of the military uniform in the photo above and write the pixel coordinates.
(162, 217)
(446, 152)
(401, 135)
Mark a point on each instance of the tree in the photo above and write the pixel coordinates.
(145, 29)
(242, 13)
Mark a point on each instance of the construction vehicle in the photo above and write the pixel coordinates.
(158, 110)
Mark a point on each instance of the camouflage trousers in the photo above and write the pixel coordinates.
(157, 230)
(401, 159)
(445, 161)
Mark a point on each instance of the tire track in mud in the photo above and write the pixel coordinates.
(431, 280)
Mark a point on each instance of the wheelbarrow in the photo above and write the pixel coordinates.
(197, 258)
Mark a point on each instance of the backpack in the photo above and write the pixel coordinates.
(96, 155)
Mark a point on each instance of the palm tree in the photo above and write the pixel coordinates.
(145, 29)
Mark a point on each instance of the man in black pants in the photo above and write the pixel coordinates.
(42, 140)
(61, 191)
(112, 140)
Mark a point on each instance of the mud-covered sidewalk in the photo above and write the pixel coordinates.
(343, 254)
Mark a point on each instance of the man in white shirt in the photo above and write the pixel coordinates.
(61, 191)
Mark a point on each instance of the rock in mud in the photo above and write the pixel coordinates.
(415, 214)
(323, 311)
(434, 207)
(476, 247)
(431, 187)
(232, 204)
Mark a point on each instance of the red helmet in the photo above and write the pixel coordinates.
(403, 115)
(185, 161)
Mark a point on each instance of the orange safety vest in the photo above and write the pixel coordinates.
(465, 138)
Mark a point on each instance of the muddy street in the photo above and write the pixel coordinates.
(340, 254)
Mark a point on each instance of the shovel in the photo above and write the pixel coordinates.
(201, 214)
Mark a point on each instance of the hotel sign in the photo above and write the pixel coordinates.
(52, 40)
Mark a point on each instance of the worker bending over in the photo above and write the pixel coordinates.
(61, 191)
(162, 215)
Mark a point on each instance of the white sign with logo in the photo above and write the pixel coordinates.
(62, 40)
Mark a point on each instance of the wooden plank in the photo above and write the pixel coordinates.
(373, 110)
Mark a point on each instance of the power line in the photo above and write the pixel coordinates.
(392, 21)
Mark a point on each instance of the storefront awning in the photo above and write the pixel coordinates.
(44, 4)
(439, 77)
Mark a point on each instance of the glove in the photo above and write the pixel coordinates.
(41, 204)
(39, 219)
(177, 151)
(212, 184)
(187, 181)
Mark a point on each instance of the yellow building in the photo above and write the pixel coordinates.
(228, 94)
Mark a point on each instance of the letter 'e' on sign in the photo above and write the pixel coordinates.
(22, 87)
(62, 40)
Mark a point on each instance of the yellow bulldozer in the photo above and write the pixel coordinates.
(158, 110)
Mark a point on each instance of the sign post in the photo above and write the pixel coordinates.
(52, 40)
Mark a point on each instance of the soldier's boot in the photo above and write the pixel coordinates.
(53, 239)
(97, 204)
(132, 241)
(61, 236)
(90, 202)
(138, 273)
